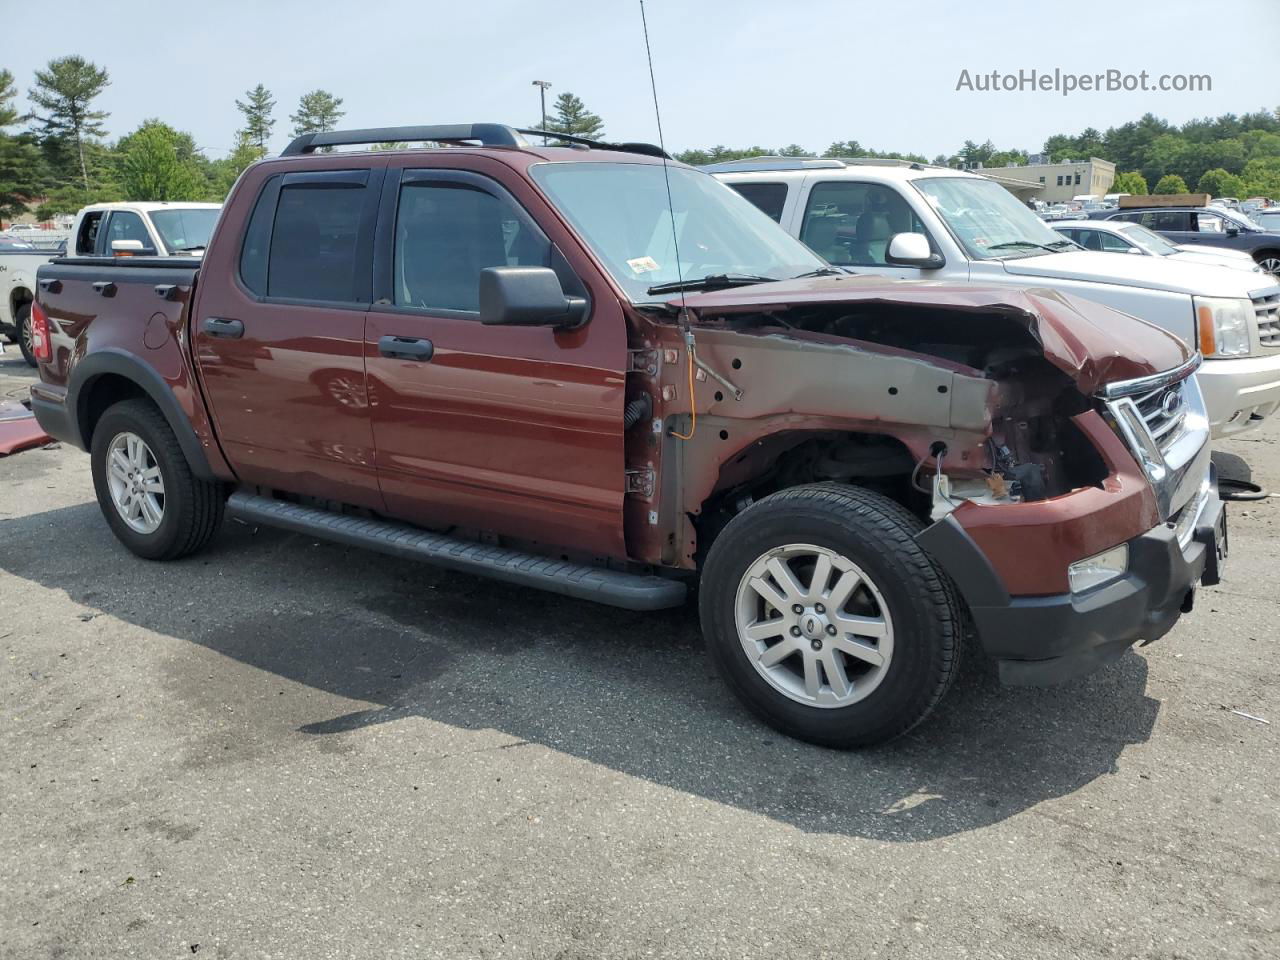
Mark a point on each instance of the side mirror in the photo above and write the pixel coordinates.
(1233, 231)
(129, 248)
(1134, 250)
(912, 250)
(528, 297)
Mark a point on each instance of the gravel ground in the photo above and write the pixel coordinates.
(282, 748)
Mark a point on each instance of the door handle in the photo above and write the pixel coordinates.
(105, 287)
(221, 327)
(406, 348)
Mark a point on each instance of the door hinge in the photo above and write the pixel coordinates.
(640, 482)
(643, 361)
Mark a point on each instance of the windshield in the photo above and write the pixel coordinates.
(621, 211)
(185, 229)
(1150, 242)
(988, 221)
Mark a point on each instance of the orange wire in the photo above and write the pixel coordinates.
(693, 409)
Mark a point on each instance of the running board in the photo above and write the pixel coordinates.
(613, 587)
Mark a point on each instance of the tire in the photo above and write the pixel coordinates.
(190, 509)
(1269, 261)
(862, 534)
(22, 320)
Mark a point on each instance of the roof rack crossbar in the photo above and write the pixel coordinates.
(486, 134)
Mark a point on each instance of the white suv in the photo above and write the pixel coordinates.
(916, 221)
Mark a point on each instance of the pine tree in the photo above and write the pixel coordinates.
(19, 158)
(65, 91)
(573, 117)
(318, 111)
(257, 116)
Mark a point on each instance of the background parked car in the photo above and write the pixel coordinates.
(144, 229)
(1217, 226)
(19, 261)
(1268, 219)
(1112, 236)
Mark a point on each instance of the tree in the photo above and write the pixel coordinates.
(1171, 183)
(1261, 177)
(20, 173)
(318, 112)
(257, 116)
(223, 173)
(65, 91)
(573, 117)
(153, 168)
(1220, 183)
(1131, 182)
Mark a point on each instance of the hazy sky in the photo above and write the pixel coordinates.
(737, 73)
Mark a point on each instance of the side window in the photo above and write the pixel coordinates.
(850, 223)
(126, 225)
(447, 231)
(1170, 220)
(1111, 243)
(87, 237)
(1209, 223)
(315, 238)
(769, 197)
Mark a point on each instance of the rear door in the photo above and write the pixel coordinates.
(513, 430)
(279, 335)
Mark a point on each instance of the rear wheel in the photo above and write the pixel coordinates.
(1269, 261)
(145, 488)
(23, 320)
(827, 619)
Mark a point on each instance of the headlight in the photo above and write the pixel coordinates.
(1099, 569)
(1223, 325)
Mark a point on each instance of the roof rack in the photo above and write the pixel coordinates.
(811, 163)
(484, 134)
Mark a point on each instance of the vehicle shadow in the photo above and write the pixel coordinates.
(632, 692)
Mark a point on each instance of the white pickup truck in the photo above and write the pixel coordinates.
(916, 221)
(18, 263)
(151, 229)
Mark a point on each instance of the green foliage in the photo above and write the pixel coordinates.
(1131, 182)
(258, 121)
(158, 162)
(852, 148)
(20, 163)
(572, 117)
(1171, 183)
(1220, 183)
(1261, 178)
(65, 92)
(318, 112)
(73, 196)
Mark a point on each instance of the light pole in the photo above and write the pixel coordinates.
(542, 86)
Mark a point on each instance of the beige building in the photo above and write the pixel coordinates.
(1059, 181)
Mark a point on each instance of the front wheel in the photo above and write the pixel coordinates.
(146, 491)
(1269, 261)
(827, 619)
(23, 320)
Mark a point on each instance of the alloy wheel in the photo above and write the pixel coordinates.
(135, 482)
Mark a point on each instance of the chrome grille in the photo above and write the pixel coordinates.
(1164, 411)
(1267, 310)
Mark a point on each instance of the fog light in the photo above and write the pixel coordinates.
(1099, 569)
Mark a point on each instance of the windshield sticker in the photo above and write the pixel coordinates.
(643, 265)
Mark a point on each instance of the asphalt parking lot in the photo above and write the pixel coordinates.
(282, 748)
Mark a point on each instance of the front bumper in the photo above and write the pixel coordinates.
(1049, 639)
(1240, 393)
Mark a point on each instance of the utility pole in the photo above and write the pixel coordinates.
(542, 86)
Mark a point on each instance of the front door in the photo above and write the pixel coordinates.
(281, 352)
(510, 430)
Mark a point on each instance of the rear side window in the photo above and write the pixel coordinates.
(87, 237)
(447, 231)
(769, 197)
(307, 238)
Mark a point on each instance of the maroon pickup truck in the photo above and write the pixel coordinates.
(594, 371)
